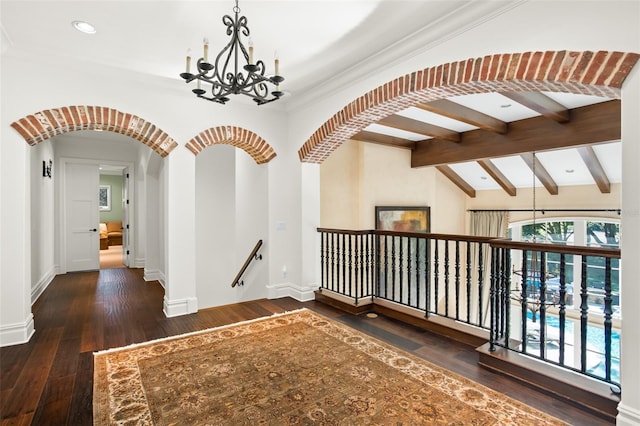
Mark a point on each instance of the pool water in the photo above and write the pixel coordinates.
(595, 345)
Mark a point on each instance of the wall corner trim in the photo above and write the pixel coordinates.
(177, 307)
(17, 333)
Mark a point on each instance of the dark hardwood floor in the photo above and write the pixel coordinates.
(49, 381)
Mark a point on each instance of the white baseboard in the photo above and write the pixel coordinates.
(154, 275)
(16, 334)
(302, 293)
(175, 308)
(138, 263)
(627, 416)
(43, 283)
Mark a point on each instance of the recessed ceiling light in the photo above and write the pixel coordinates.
(84, 27)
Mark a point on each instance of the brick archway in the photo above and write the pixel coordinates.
(241, 138)
(48, 123)
(592, 73)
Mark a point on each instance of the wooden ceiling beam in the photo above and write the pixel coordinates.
(541, 104)
(597, 123)
(497, 175)
(457, 180)
(595, 168)
(380, 139)
(420, 127)
(467, 115)
(541, 173)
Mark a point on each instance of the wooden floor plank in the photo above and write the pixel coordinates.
(27, 392)
(81, 406)
(54, 404)
(21, 420)
(49, 380)
(12, 364)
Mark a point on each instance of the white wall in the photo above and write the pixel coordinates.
(152, 248)
(629, 407)
(215, 224)
(43, 219)
(251, 225)
(231, 216)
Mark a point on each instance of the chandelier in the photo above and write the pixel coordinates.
(225, 76)
(531, 292)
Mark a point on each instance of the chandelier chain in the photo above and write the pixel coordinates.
(533, 187)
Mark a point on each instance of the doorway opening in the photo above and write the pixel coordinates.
(113, 206)
(96, 197)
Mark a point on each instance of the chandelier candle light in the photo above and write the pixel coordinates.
(224, 74)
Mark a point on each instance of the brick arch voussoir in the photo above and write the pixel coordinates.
(244, 139)
(591, 73)
(46, 124)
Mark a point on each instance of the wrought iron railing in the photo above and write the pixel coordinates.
(437, 274)
(507, 288)
(567, 322)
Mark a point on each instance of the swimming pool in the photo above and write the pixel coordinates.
(595, 346)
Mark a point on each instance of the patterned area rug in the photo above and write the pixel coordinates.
(298, 368)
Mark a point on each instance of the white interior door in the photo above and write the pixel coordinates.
(125, 217)
(82, 217)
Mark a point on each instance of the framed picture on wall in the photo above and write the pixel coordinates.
(404, 219)
(104, 202)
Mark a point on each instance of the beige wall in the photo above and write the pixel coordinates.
(339, 188)
(359, 176)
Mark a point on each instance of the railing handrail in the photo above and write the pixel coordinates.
(494, 242)
(251, 257)
(450, 237)
(345, 231)
(557, 248)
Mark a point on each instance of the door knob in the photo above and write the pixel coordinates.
(93, 230)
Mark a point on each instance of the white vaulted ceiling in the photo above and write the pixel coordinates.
(322, 45)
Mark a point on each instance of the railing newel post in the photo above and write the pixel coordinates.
(492, 302)
(457, 269)
(608, 311)
(446, 278)
(469, 282)
(427, 277)
(584, 310)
